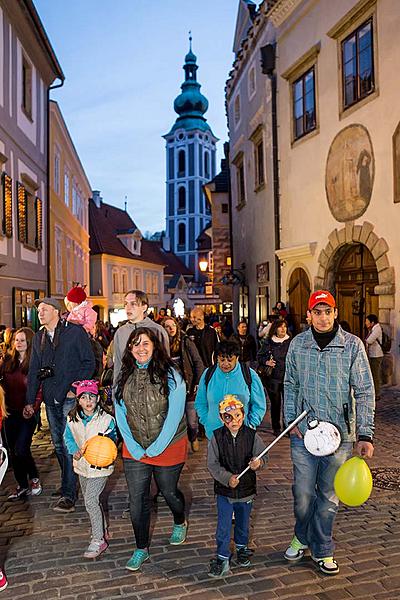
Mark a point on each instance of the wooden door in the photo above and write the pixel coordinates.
(299, 292)
(356, 278)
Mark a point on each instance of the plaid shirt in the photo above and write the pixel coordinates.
(322, 381)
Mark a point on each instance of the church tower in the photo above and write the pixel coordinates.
(191, 162)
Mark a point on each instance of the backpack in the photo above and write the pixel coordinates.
(245, 372)
(386, 342)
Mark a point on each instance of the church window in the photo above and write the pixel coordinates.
(182, 199)
(181, 236)
(206, 165)
(181, 163)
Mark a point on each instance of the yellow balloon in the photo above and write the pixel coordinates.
(353, 482)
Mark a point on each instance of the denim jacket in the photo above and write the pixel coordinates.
(323, 381)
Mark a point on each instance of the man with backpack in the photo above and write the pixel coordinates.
(229, 376)
(375, 350)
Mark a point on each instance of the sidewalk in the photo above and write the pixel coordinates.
(42, 550)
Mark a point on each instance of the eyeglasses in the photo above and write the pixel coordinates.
(322, 311)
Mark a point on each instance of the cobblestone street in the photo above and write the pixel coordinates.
(42, 550)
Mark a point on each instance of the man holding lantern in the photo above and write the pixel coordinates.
(328, 374)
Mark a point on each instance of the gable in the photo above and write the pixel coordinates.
(244, 20)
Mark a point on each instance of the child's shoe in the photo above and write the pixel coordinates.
(3, 581)
(327, 565)
(219, 567)
(243, 556)
(137, 559)
(36, 487)
(178, 535)
(295, 551)
(95, 548)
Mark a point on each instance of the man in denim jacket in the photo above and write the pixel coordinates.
(328, 374)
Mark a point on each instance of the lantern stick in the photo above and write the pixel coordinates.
(276, 440)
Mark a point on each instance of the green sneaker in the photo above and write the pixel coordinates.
(178, 535)
(136, 560)
(295, 551)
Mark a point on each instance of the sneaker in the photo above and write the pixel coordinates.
(327, 565)
(178, 535)
(19, 493)
(136, 560)
(195, 446)
(295, 551)
(219, 567)
(95, 548)
(64, 505)
(243, 556)
(36, 487)
(3, 581)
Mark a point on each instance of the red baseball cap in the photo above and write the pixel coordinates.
(321, 297)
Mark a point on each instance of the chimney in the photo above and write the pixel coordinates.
(97, 199)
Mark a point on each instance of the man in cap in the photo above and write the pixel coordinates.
(61, 354)
(327, 373)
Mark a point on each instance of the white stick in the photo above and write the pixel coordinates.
(276, 440)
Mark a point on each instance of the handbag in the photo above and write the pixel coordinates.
(264, 371)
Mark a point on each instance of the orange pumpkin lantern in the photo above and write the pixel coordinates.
(100, 451)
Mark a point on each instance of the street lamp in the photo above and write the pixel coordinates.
(203, 265)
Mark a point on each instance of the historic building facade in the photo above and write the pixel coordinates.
(28, 67)
(249, 99)
(69, 210)
(339, 123)
(191, 162)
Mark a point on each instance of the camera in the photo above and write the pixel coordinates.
(45, 373)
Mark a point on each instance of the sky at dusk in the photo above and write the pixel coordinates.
(123, 66)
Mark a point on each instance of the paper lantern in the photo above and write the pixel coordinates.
(353, 482)
(100, 451)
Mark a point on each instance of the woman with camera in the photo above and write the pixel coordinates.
(19, 430)
(271, 359)
(149, 409)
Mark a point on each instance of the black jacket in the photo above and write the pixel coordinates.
(235, 454)
(206, 341)
(192, 364)
(69, 354)
(248, 347)
(278, 351)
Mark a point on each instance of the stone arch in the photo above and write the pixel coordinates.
(364, 234)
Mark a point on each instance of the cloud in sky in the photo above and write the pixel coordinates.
(123, 66)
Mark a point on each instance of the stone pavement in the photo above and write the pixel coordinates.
(42, 550)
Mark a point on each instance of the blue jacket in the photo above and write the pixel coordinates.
(220, 384)
(322, 381)
(72, 359)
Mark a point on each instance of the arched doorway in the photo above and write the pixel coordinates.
(356, 276)
(299, 292)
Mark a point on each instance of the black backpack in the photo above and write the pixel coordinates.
(245, 372)
(386, 342)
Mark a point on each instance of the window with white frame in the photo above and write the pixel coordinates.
(66, 187)
(259, 169)
(115, 281)
(56, 172)
(26, 86)
(236, 109)
(252, 82)
(124, 281)
(155, 284)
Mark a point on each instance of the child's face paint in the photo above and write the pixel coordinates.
(233, 419)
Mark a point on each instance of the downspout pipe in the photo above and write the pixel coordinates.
(268, 64)
(48, 248)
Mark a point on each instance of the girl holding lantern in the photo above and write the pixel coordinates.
(149, 409)
(85, 432)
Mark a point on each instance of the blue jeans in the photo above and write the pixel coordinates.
(57, 418)
(242, 512)
(138, 477)
(315, 501)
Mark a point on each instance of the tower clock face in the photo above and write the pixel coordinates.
(322, 439)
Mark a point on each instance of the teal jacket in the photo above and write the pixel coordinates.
(207, 400)
(323, 381)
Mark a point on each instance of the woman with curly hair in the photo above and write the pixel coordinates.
(187, 358)
(149, 409)
(18, 430)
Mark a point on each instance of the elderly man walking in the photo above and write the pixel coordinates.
(61, 355)
(328, 374)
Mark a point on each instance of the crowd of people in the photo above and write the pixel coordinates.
(159, 385)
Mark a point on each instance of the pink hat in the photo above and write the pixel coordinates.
(87, 386)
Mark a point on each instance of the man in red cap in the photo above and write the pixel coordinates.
(328, 374)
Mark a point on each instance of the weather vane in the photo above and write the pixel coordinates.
(190, 40)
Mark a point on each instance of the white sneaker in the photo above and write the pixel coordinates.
(95, 548)
(36, 487)
(295, 551)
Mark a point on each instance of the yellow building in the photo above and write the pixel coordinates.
(69, 222)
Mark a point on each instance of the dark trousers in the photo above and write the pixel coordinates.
(275, 395)
(375, 364)
(18, 433)
(242, 512)
(57, 418)
(138, 477)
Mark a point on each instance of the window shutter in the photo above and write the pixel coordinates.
(6, 203)
(22, 221)
(39, 223)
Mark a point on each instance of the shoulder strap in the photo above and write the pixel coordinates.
(246, 375)
(209, 373)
